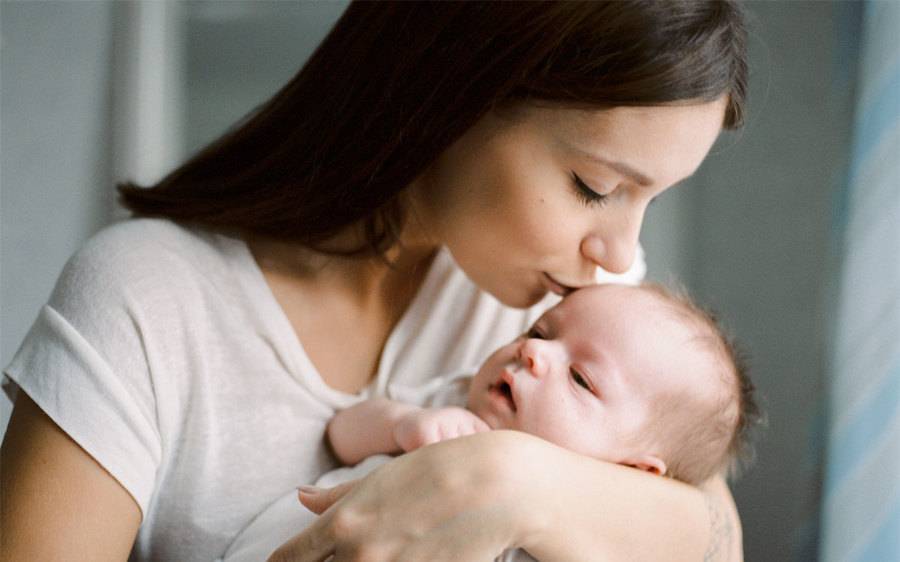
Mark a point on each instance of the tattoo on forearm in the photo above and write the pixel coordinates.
(720, 532)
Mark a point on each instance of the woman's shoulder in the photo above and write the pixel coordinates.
(135, 257)
(134, 241)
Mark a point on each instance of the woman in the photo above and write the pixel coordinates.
(402, 206)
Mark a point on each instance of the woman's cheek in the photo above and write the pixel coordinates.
(541, 225)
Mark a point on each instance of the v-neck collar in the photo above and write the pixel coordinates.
(276, 328)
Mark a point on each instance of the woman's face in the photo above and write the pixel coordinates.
(535, 202)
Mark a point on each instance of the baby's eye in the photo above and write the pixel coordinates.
(534, 333)
(579, 380)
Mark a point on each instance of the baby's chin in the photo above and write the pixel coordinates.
(493, 420)
(481, 407)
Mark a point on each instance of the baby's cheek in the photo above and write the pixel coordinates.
(557, 423)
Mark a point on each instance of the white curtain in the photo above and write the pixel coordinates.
(148, 92)
(861, 496)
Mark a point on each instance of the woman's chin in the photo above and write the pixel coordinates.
(522, 298)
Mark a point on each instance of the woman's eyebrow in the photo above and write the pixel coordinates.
(621, 167)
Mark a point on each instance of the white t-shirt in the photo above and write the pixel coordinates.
(164, 355)
(285, 517)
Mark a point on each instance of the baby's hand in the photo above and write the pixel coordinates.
(427, 426)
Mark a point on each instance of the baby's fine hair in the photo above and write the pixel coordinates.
(712, 436)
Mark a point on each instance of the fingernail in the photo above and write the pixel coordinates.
(308, 490)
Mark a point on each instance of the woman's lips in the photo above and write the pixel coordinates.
(557, 287)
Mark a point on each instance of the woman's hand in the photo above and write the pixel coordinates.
(464, 499)
(473, 497)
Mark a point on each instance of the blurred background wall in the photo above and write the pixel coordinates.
(96, 92)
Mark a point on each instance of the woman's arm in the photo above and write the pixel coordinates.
(471, 498)
(609, 512)
(726, 538)
(58, 502)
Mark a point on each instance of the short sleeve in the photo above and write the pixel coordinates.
(83, 364)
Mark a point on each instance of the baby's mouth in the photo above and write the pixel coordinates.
(503, 389)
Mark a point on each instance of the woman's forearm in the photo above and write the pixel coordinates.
(602, 511)
(726, 537)
(504, 489)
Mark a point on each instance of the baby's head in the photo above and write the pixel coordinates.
(632, 375)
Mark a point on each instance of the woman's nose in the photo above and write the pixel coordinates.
(613, 257)
(533, 355)
(614, 250)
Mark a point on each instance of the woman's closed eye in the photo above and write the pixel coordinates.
(588, 195)
(534, 334)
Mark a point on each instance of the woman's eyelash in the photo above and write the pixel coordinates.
(580, 380)
(584, 192)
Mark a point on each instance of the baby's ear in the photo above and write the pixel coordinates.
(648, 463)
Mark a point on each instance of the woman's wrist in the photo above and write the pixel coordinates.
(542, 487)
(572, 507)
(521, 486)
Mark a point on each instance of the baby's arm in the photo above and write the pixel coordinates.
(382, 426)
(366, 429)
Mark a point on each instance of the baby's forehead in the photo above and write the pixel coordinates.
(629, 302)
(646, 317)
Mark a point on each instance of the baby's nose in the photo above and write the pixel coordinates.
(532, 354)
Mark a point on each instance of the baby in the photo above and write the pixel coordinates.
(631, 375)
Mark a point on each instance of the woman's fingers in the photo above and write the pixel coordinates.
(318, 500)
(427, 505)
(312, 545)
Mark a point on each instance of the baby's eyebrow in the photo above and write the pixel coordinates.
(541, 320)
(534, 327)
(599, 364)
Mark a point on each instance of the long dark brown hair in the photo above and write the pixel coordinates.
(394, 84)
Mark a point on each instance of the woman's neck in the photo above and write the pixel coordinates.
(365, 282)
(342, 309)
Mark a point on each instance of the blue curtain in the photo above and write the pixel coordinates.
(861, 495)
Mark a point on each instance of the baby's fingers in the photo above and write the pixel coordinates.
(449, 429)
(471, 424)
(470, 427)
